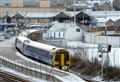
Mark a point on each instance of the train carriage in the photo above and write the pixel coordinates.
(54, 56)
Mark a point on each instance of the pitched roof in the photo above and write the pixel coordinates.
(60, 26)
(8, 15)
(105, 19)
(20, 15)
(62, 15)
(40, 15)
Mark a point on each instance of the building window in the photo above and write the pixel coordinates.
(5, 3)
(77, 30)
(31, 3)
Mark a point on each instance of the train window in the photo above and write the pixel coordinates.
(67, 57)
(51, 57)
(57, 58)
(53, 48)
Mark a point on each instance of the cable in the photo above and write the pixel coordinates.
(49, 73)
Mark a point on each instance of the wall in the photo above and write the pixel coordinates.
(44, 3)
(114, 41)
(71, 33)
(14, 10)
(17, 3)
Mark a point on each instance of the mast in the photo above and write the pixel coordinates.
(74, 13)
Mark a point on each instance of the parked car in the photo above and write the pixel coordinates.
(2, 36)
(7, 36)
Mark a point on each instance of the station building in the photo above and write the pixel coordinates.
(62, 17)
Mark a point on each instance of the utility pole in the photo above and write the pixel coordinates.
(74, 13)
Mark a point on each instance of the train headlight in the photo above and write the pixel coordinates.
(64, 67)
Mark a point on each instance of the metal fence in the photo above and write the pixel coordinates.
(108, 40)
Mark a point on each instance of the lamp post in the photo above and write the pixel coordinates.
(74, 13)
(105, 24)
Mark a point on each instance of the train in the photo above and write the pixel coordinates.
(51, 55)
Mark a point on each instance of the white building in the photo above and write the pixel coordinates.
(66, 31)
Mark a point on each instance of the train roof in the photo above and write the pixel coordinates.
(25, 33)
(23, 37)
(38, 45)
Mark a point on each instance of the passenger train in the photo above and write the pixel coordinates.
(54, 56)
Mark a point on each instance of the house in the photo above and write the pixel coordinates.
(8, 17)
(106, 21)
(117, 22)
(66, 31)
(61, 17)
(110, 22)
(116, 5)
(105, 7)
(33, 17)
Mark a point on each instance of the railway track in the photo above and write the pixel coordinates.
(7, 77)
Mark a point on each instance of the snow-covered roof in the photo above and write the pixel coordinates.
(105, 13)
(20, 15)
(100, 2)
(80, 4)
(9, 15)
(44, 15)
(71, 14)
(40, 15)
(105, 19)
(60, 26)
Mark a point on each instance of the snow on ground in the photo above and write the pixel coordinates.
(71, 78)
(97, 78)
(29, 78)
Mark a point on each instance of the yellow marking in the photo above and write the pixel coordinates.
(12, 28)
(62, 59)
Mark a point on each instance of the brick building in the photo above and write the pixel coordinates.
(14, 6)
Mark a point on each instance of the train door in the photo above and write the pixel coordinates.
(60, 61)
(57, 60)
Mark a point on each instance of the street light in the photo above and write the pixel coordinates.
(105, 25)
(74, 13)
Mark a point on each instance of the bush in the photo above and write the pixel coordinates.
(112, 73)
(93, 68)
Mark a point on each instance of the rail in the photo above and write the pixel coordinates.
(11, 78)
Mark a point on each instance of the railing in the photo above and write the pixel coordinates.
(27, 70)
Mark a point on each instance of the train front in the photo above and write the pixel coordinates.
(62, 59)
